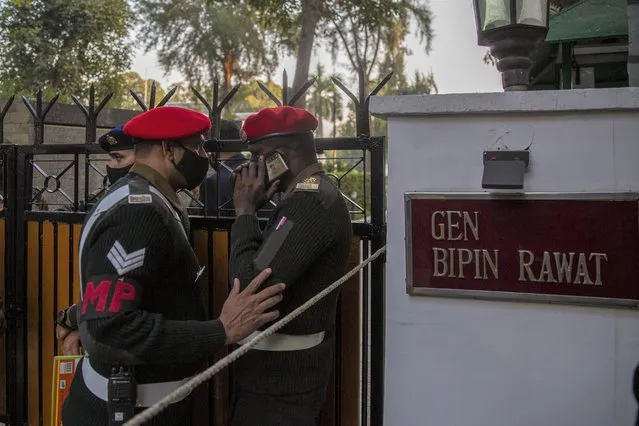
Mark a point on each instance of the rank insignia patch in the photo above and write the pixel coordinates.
(124, 262)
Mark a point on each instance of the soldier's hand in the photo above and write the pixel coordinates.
(246, 311)
(249, 191)
(237, 171)
(61, 332)
(70, 340)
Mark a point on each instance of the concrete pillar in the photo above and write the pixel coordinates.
(464, 361)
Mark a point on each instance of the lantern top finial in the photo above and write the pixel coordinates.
(513, 29)
(495, 14)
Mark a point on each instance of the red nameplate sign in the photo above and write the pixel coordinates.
(570, 248)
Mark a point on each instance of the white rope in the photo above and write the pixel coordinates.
(205, 375)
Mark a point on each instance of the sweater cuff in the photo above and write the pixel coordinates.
(247, 226)
(211, 336)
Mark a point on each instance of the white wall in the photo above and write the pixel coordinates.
(455, 362)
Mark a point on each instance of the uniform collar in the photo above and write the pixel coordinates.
(159, 182)
(311, 170)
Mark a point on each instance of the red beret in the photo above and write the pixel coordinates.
(278, 121)
(167, 123)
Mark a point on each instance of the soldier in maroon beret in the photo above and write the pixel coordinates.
(282, 381)
(141, 318)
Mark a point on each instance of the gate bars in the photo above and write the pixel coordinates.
(19, 163)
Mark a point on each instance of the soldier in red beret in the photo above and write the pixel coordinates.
(141, 318)
(282, 381)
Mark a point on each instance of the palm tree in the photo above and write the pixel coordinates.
(337, 106)
(319, 102)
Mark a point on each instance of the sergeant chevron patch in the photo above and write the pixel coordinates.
(124, 262)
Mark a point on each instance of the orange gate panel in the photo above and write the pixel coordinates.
(52, 284)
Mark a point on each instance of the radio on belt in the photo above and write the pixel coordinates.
(122, 396)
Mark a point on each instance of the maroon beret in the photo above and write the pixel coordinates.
(167, 123)
(270, 122)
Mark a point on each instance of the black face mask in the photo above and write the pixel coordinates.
(113, 174)
(193, 167)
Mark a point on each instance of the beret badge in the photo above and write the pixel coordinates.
(111, 140)
(243, 135)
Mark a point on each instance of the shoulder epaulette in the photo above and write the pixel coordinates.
(139, 192)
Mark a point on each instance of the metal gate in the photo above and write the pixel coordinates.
(39, 275)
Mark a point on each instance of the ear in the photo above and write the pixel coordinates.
(285, 152)
(168, 150)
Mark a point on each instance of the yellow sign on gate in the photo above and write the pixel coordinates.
(63, 371)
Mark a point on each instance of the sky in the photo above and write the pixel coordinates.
(455, 58)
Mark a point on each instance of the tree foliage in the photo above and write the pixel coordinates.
(202, 40)
(131, 80)
(251, 98)
(63, 46)
(419, 84)
(182, 93)
(324, 99)
(380, 16)
(345, 23)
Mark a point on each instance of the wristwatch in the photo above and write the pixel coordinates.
(62, 319)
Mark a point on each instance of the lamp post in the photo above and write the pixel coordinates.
(512, 29)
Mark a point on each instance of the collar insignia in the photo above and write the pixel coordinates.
(309, 184)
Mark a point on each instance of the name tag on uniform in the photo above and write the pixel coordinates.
(140, 199)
